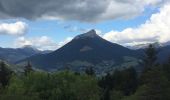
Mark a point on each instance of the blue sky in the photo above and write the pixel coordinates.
(57, 30)
(53, 31)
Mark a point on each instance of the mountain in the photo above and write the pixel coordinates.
(164, 54)
(145, 45)
(85, 50)
(12, 55)
(166, 43)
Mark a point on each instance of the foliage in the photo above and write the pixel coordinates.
(124, 82)
(28, 68)
(156, 87)
(4, 74)
(152, 84)
(55, 86)
(90, 71)
(116, 95)
(150, 56)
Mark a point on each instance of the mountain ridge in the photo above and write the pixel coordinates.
(11, 55)
(85, 48)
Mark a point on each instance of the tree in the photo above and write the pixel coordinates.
(155, 87)
(150, 57)
(28, 68)
(149, 62)
(106, 94)
(166, 69)
(116, 95)
(90, 71)
(54, 86)
(126, 81)
(4, 74)
(106, 83)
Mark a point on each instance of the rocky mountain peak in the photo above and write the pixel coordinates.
(89, 34)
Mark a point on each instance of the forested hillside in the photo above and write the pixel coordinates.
(153, 83)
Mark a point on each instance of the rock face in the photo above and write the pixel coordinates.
(90, 34)
(84, 50)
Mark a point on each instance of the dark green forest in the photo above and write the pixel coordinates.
(152, 83)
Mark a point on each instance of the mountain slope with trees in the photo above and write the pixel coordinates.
(88, 48)
(153, 83)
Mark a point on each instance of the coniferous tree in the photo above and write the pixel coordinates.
(4, 74)
(106, 94)
(130, 77)
(90, 71)
(125, 81)
(150, 57)
(155, 87)
(108, 85)
(149, 62)
(28, 68)
(166, 69)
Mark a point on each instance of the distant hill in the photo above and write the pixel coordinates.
(164, 54)
(12, 55)
(145, 45)
(85, 50)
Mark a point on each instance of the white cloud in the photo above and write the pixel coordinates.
(156, 29)
(99, 32)
(62, 43)
(41, 43)
(21, 41)
(17, 28)
(151, 2)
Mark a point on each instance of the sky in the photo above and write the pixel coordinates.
(49, 24)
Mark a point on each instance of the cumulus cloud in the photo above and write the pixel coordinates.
(81, 10)
(17, 28)
(41, 43)
(62, 43)
(156, 29)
